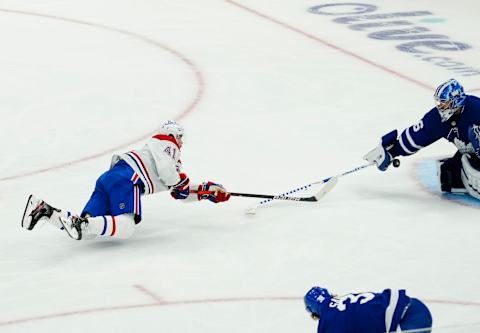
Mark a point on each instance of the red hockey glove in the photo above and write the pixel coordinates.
(219, 194)
(181, 190)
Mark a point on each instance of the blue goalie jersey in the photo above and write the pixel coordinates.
(364, 312)
(430, 129)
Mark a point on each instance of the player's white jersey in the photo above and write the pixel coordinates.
(157, 164)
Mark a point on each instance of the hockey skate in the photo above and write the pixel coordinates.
(36, 210)
(76, 227)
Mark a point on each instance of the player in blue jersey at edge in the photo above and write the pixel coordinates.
(367, 312)
(114, 208)
(456, 117)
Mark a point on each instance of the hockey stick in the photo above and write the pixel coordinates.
(327, 188)
(321, 181)
(270, 197)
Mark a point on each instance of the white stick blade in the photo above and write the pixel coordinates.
(327, 188)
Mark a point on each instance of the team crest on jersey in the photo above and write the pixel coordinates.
(453, 133)
(121, 205)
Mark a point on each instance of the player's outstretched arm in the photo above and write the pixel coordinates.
(219, 194)
(381, 155)
(181, 190)
(205, 191)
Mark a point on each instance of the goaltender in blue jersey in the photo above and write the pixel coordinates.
(456, 117)
(367, 312)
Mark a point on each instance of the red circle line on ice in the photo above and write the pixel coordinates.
(200, 82)
(160, 302)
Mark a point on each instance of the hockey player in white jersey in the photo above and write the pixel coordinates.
(114, 207)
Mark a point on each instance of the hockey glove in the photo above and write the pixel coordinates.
(181, 190)
(474, 137)
(380, 155)
(219, 194)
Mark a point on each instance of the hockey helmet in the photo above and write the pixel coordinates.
(172, 128)
(449, 97)
(315, 299)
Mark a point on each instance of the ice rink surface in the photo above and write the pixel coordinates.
(273, 95)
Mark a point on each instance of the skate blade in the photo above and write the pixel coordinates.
(26, 222)
(73, 234)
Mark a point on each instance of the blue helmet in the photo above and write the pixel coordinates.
(315, 299)
(449, 97)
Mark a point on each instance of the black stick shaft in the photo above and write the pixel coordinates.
(262, 196)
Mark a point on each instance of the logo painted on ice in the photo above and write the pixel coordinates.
(415, 40)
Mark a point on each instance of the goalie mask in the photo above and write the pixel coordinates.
(449, 98)
(172, 128)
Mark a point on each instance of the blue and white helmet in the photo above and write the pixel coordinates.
(315, 299)
(171, 127)
(449, 97)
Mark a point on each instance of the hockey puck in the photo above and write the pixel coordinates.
(396, 163)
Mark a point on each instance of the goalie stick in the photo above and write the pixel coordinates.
(326, 180)
(327, 188)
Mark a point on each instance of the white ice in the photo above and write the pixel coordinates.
(272, 97)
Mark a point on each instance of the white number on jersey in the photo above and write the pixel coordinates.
(340, 303)
(417, 127)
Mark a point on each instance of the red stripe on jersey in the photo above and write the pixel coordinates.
(134, 178)
(136, 209)
(150, 183)
(138, 201)
(114, 226)
(166, 138)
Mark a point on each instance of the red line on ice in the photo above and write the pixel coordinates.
(149, 293)
(328, 44)
(187, 110)
(160, 302)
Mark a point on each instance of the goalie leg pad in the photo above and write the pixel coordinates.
(449, 174)
(471, 175)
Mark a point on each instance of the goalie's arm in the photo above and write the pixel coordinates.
(420, 135)
(428, 130)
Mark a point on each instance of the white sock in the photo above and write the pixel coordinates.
(120, 226)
